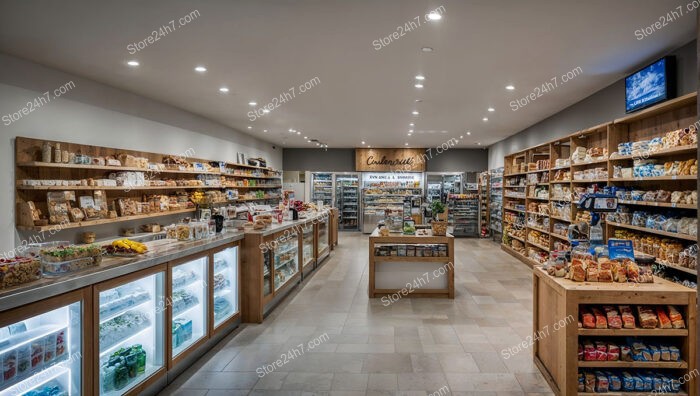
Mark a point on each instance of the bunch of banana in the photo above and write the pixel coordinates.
(137, 247)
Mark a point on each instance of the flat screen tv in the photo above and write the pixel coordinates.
(650, 85)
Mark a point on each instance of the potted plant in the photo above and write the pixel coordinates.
(438, 226)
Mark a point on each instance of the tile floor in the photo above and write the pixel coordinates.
(411, 347)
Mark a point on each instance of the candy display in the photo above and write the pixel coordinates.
(122, 367)
(122, 326)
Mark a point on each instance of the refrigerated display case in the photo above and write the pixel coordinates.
(225, 286)
(322, 240)
(347, 200)
(41, 347)
(322, 188)
(131, 331)
(307, 247)
(286, 261)
(188, 301)
(496, 201)
(484, 200)
(465, 211)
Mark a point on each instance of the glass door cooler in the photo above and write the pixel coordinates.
(225, 287)
(322, 188)
(130, 328)
(42, 354)
(322, 241)
(188, 304)
(347, 191)
(307, 247)
(286, 261)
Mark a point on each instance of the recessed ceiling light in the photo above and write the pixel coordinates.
(406, 144)
(510, 87)
(415, 112)
(420, 77)
(363, 142)
(427, 49)
(133, 63)
(410, 131)
(411, 124)
(478, 143)
(491, 109)
(318, 144)
(266, 111)
(418, 85)
(200, 69)
(298, 133)
(223, 89)
(461, 136)
(265, 130)
(418, 100)
(252, 103)
(468, 133)
(485, 119)
(369, 146)
(434, 16)
(306, 137)
(250, 127)
(291, 130)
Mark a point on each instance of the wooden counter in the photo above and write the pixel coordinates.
(411, 276)
(556, 349)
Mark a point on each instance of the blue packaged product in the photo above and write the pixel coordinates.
(614, 381)
(647, 382)
(627, 382)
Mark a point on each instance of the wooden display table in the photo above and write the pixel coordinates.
(406, 270)
(556, 334)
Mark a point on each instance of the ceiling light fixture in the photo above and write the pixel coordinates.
(469, 133)
(485, 119)
(306, 137)
(420, 77)
(410, 131)
(491, 109)
(223, 89)
(418, 100)
(252, 103)
(406, 144)
(510, 87)
(250, 127)
(461, 136)
(298, 133)
(291, 130)
(200, 69)
(266, 111)
(418, 85)
(434, 16)
(427, 49)
(265, 130)
(133, 63)
(415, 113)
(363, 142)
(411, 124)
(478, 143)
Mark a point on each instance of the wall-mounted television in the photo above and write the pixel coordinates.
(651, 85)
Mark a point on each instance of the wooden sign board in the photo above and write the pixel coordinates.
(390, 160)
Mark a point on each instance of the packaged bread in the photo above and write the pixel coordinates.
(613, 317)
(664, 321)
(676, 318)
(647, 317)
(587, 319)
(600, 321)
(628, 321)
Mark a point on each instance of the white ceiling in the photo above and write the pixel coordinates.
(259, 49)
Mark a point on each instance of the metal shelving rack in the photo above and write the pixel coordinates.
(322, 188)
(496, 202)
(464, 209)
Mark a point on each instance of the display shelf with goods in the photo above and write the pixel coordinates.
(308, 246)
(378, 197)
(42, 347)
(347, 200)
(131, 345)
(496, 201)
(225, 287)
(441, 184)
(645, 329)
(74, 185)
(322, 240)
(322, 188)
(420, 265)
(188, 301)
(484, 205)
(464, 209)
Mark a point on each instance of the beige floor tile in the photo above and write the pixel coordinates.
(383, 382)
(350, 382)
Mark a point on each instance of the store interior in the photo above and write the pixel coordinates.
(349, 198)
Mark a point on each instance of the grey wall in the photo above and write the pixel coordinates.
(100, 115)
(343, 160)
(603, 106)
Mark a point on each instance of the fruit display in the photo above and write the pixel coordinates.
(125, 247)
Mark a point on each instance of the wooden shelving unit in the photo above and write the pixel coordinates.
(644, 125)
(28, 153)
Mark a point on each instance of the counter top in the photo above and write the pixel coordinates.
(397, 237)
(277, 227)
(160, 251)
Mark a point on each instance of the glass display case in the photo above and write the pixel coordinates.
(322, 188)
(131, 332)
(188, 304)
(308, 244)
(42, 354)
(286, 260)
(225, 285)
(347, 191)
(322, 238)
(267, 272)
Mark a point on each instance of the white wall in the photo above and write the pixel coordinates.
(100, 115)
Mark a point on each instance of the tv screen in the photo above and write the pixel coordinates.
(650, 85)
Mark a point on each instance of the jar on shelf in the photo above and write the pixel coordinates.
(46, 151)
(57, 156)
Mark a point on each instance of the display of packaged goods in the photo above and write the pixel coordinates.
(183, 277)
(62, 253)
(122, 326)
(182, 331)
(412, 250)
(19, 270)
(222, 308)
(182, 301)
(627, 381)
(122, 367)
(51, 388)
(220, 282)
(647, 317)
(116, 300)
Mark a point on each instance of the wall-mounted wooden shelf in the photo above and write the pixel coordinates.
(92, 223)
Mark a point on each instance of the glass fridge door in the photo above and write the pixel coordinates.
(286, 260)
(267, 273)
(308, 244)
(322, 188)
(131, 333)
(225, 285)
(189, 304)
(42, 354)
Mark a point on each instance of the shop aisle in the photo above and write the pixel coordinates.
(411, 347)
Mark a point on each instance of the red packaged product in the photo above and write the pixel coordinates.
(628, 321)
(601, 351)
(589, 352)
(664, 321)
(676, 318)
(587, 318)
(647, 317)
(600, 321)
(613, 352)
(614, 319)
